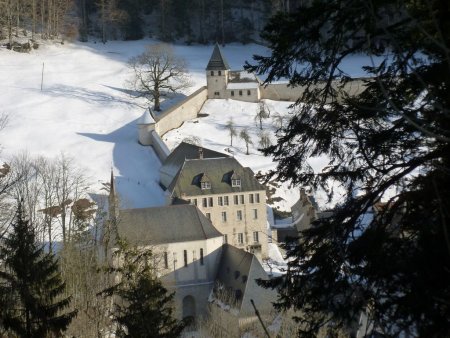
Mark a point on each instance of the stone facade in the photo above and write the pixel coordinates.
(193, 277)
(304, 211)
(240, 217)
(226, 193)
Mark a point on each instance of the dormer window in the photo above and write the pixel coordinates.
(205, 182)
(236, 182)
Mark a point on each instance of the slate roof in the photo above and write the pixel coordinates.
(217, 61)
(189, 151)
(168, 224)
(238, 270)
(219, 171)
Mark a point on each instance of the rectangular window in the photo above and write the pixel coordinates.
(255, 213)
(242, 199)
(220, 200)
(251, 198)
(232, 93)
(201, 257)
(235, 182)
(225, 239)
(205, 185)
(239, 215)
(204, 202)
(216, 93)
(257, 198)
(208, 215)
(189, 201)
(195, 201)
(248, 92)
(224, 216)
(220, 73)
(225, 200)
(212, 73)
(236, 199)
(255, 236)
(166, 260)
(185, 258)
(210, 201)
(240, 93)
(240, 238)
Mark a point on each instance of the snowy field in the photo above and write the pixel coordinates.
(84, 110)
(211, 133)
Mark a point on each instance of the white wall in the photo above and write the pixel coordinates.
(159, 146)
(281, 91)
(195, 279)
(186, 110)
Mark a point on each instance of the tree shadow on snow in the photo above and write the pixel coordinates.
(90, 96)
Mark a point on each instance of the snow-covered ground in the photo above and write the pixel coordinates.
(211, 133)
(84, 109)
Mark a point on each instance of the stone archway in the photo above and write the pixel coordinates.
(189, 307)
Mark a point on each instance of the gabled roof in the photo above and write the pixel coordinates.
(220, 170)
(237, 272)
(189, 151)
(162, 225)
(217, 61)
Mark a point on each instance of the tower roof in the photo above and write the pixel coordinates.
(217, 61)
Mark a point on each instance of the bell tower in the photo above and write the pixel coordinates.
(217, 75)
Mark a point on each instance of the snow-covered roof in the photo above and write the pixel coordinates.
(243, 85)
(146, 118)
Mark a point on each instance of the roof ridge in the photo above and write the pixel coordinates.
(201, 223)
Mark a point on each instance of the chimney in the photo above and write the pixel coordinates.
(200, 153)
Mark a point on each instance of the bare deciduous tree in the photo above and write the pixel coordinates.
(158, 71)
(244, 135)
(278, 120)
(231, 130)
(262, 113)
(264, 139)
(50, 189)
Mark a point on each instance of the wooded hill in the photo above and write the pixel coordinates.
(193, 21)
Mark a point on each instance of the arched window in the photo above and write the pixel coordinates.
(189, 307)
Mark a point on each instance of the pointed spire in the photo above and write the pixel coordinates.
(217, 61)
(112, 198)
(112, 192)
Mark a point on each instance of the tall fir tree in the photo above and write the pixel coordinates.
(390, 140)
(32, 291)
(142, 306)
